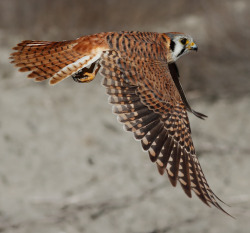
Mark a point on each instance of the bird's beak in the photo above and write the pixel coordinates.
(192, 46)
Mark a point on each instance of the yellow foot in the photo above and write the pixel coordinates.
(86, 74)
(87, 77)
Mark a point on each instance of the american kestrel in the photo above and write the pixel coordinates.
(142, 79)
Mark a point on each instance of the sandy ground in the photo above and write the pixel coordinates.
(66, 165)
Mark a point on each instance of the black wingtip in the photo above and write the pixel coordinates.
(199, 115)
(224, 211)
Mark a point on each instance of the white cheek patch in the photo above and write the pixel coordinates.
(177, 50)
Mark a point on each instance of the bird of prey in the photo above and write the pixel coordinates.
(142, 81)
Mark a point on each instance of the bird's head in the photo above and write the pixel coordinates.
(180, 44)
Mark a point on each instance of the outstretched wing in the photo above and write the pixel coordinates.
(147, 101)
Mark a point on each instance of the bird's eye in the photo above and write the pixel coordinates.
(183, 41)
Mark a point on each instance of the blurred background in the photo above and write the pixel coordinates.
(66, 165)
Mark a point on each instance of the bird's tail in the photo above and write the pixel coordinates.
(55, 60)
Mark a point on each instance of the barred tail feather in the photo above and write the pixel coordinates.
(55, 60)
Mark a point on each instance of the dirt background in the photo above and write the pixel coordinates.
(66, 165)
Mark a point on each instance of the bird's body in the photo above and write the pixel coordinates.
(142, 80)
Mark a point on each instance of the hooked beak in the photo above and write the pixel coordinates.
(193, 46)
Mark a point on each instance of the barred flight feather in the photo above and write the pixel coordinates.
(157, 146)
(126, 108)
(123, 117)
(185, 178)
(164, 155)
(150, 137)
(143, 131)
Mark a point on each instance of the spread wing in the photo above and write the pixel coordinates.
(147, 101)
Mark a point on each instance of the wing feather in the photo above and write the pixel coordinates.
(149, 104)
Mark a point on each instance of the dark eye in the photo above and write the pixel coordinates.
(183, 41)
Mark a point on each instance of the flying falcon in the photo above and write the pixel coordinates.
(142, 80)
